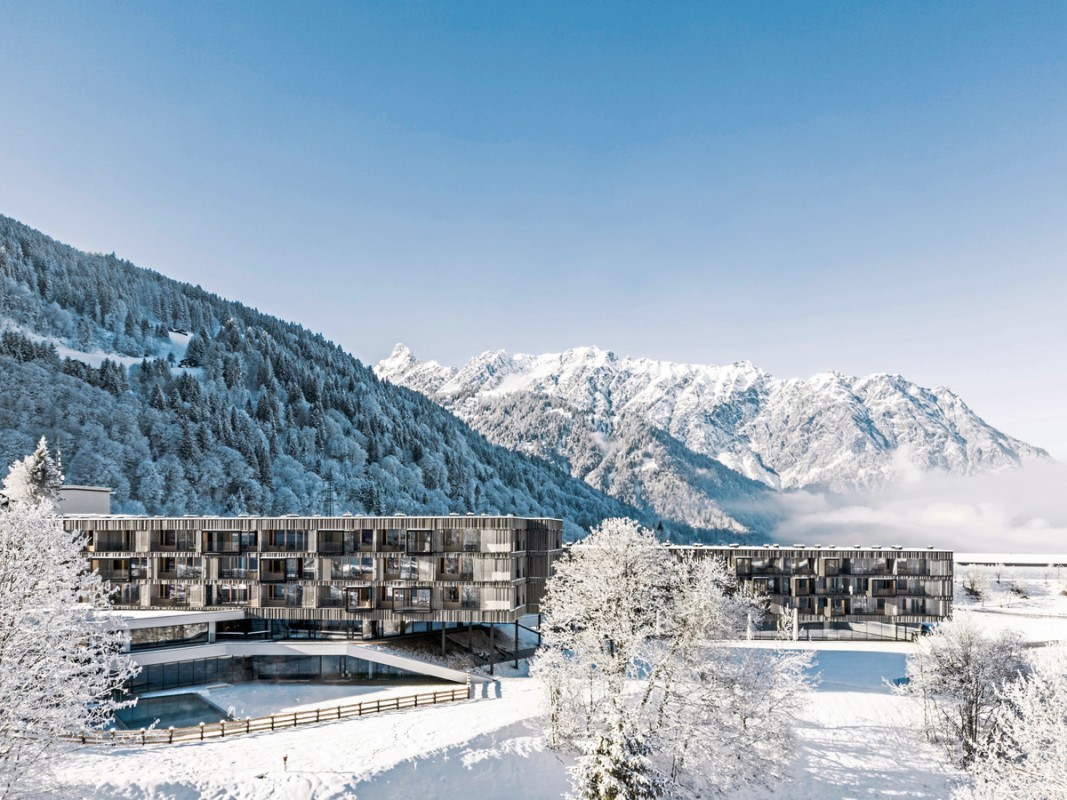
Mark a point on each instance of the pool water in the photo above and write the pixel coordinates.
(857, 671)
(178, 710)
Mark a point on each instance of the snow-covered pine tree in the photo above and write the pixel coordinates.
(35, 478)
(638, 681)
(61, 656)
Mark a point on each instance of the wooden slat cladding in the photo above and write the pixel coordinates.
(824, 585)
(539, 525)
(415, 569)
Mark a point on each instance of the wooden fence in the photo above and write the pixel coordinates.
(275, 722)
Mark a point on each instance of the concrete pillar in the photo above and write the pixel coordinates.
(516, 644)
(442, 638)
(211, 632)
(492, 651)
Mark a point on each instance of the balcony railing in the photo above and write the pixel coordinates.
(114, 575)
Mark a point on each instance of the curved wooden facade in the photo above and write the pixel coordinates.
(387, 571)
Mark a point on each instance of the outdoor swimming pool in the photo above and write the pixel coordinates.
(856, 671)
(179, 710)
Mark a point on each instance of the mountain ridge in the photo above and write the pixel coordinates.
(831, 432)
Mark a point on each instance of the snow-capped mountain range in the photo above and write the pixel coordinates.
(704, 444)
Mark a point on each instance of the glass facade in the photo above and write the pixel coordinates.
(240, 669)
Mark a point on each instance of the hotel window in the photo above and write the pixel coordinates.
(359, 597)
(223, 541)
(289, 594)
(417, 600)
(452, 539)
(238, 566)
(181, 567)
(287, 540)
(173, 594)
(178, 540)
(331, 597)
(352, 568)
(468, 597)
(418, 541)
(231, 594)
(127, 594)
(329, 542)
(472, 539)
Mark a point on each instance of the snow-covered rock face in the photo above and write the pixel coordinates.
(691, 441)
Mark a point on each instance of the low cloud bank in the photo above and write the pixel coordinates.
(1016, 511)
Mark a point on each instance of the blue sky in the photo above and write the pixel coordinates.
(859, 187)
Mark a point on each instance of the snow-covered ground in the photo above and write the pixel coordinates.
(856, 738)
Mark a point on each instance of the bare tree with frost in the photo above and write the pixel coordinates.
(1026, 755)
(60, 656)
(960, 674)
(640, 682)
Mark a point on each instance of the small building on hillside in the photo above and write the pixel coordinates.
(75, 500)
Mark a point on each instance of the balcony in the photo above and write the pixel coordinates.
(171, 602)
(330, 546)
(185, 571)
(114, 575)
(418, 542)
(412, 600)
(283, 597)
(285, 542)
(114, 543)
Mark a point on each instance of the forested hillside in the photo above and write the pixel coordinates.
(184, 402)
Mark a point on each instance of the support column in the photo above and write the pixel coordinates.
(443, 626)
(492, 650)
(211, 632)
(516, 644)
(538, 628)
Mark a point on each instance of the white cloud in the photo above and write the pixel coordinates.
(1022, 510)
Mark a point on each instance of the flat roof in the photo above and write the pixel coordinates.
(820, 548)
(301, 520)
